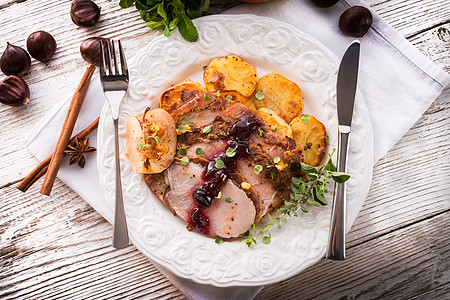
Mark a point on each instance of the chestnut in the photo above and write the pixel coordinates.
(14, 91)
(90, 50)
(355, 21)
(15, 60)
(325, 3)
(41, 45)
(84, 13)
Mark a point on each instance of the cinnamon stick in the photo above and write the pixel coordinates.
(41, 168)
(66, 131)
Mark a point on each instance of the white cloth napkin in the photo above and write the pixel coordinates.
(398, 84)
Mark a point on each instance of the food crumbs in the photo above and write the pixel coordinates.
(245, 185)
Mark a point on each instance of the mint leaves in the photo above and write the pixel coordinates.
(167, 15)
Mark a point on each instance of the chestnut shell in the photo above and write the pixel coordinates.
(41, 45)
(90, 50)
(14, 91)
(325, 3)
(14, 60)
(84, 13)
(355, 21)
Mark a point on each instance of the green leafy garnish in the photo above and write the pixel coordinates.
(257, 169)
(327, 139)
(199, 151)
(259, 95)
(207, 129)
(230, 152)
(309, 190)
(182, 151)
(306, 119)
(182, 129)
(206, 97)
(158, 141)
(204, 68)
(190, 123)
(276, 159)
(219, 164)
(167, 15)
(219, 195)
(229, 200)
(141, 145)
(275, 128)
(218, 93)
(184, 160)
(218, 241)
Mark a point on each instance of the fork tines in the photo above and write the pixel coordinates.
(108, 56)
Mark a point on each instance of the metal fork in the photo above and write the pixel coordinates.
(114, 81)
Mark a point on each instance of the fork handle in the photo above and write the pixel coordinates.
(336, 240)
(120, 233)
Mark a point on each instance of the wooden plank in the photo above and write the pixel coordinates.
(79, 262)
(404, 189)
(413, 16)
(75, 258)
(410, 261)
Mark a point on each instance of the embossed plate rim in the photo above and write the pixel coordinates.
(163, 238)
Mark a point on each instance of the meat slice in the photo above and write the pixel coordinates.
(217, 124)
(233, 218)
(224, 219)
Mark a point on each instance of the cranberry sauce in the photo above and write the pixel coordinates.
(221, 165)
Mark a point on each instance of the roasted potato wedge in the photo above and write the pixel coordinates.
(236, 96)
(178, 94)
(281, 95)
(151, 141)
(275, 122)
(309, 134)
(230, 73)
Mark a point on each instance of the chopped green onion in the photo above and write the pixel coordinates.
(229, 200)
(199, 151)
(141, 145)
(206, 97)
(218, 94)
(229, 97)
(276, 159)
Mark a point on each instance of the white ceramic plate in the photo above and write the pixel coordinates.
(271, 46)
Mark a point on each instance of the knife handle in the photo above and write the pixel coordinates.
(336, 240)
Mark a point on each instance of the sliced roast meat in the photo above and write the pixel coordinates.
(241, 157)
(229, 216)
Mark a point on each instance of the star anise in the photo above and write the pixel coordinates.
(77, 150)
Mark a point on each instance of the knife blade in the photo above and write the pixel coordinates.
(347, 81)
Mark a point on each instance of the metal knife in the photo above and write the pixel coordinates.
(346, 89)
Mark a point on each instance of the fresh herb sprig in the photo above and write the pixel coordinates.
(167, 15)
(310, 190)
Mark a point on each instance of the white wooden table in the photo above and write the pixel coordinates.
(398, 248)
